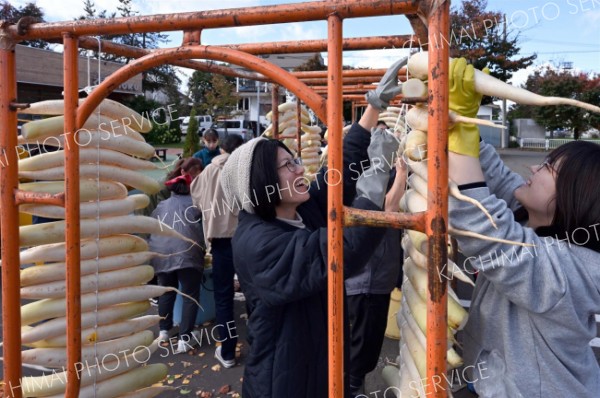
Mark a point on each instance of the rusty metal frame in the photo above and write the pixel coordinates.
(433, 222)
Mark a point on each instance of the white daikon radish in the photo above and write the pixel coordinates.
(414, 88)
(52, 308)
(106, 172)
(107, 107)
(417, 117)
(56, 271)
(104, 208)
(86, 155)
(103, 247)
(132, 276)
(96, 139)
(124, 383)
(52, 232)
(91, 189)
(103, 332)
(415, 146)
(410, 379)
(55, 383)
(488, 85)
(57, 357)
(58, 326)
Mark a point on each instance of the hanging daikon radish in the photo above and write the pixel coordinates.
(104, 208)
(415, 349)
(415, 146)
(457, 316)
(51, 308)
(128, 177)
(132, 276)
(86, 155)
(88, 189)
(417, 116)
(97, 139)
(58, 326)
(391, 377)
(52, 232)
(105, 246)
(410, 380)
(107, 107)
(414, 88)
(124, 383)
(57, 357)
(103, 332)
(56, 382)
(488, 85)
(56, 271)
(54, 127)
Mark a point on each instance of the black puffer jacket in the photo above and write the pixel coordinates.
(283, 273)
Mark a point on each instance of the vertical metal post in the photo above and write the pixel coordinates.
(299, 126)
(436, 225)
(275, 111)
(9, 216)
(72, 230)
(335, 209)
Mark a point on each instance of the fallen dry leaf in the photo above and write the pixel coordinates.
(216, 368)
(224, 389)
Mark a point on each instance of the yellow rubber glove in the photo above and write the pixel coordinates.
(463, 138)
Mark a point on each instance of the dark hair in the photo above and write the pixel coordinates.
(176, 170)
(231, 142)
(263, 174)
(577, 165)
(180, 188)
(379, 122)
(184, 164)
(210, 133)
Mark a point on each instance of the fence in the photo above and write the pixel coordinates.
(546, 143)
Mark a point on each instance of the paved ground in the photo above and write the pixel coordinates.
(195, 373)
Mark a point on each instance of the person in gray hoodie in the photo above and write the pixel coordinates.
(532, 314)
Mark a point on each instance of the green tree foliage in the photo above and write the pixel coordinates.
(153, 79)
(478, 35)
(11, 14)
(192, 141)
(313, 63)
(198, 85)
(221, 100)
(562, 83)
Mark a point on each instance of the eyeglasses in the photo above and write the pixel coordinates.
(292, 164)
(545, 164)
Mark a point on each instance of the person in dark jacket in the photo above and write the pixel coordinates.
(280, 249)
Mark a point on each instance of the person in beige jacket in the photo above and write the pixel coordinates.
(219, 223)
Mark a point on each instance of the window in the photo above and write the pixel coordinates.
(244, 104)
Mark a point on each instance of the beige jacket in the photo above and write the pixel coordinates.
(218, 221)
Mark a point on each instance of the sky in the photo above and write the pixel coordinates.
(558, 31)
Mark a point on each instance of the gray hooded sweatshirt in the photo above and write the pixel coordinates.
(533, 310)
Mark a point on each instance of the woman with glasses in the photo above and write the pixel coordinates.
(533, 310)
(280, 248)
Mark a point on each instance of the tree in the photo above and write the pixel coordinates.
(313, 63)
(11, 14)
(562, 83)
(221, 100)
(192, 141)
(480, 37)
(198, 85)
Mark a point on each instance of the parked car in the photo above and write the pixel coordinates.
(245, 128)
(204, 122)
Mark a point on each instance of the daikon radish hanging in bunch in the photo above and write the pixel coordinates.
(114, 263)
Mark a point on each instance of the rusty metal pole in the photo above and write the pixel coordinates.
(275, 111)
(335, 211)
(72, 216)
(299, 126)
(437, 202)
(9, 216)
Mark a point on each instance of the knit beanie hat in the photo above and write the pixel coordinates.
(235, 177)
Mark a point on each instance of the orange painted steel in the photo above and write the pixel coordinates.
(22, 197)
(9, 214)
(290, 47)
(346, 80)
(356, 217)
(134, 52)
(335, 210)
(345, 73)
(275, 110)
(363, 88)
(72, 216)
(277, 74)
(437, 205)
(299, 127)
(295, 12)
